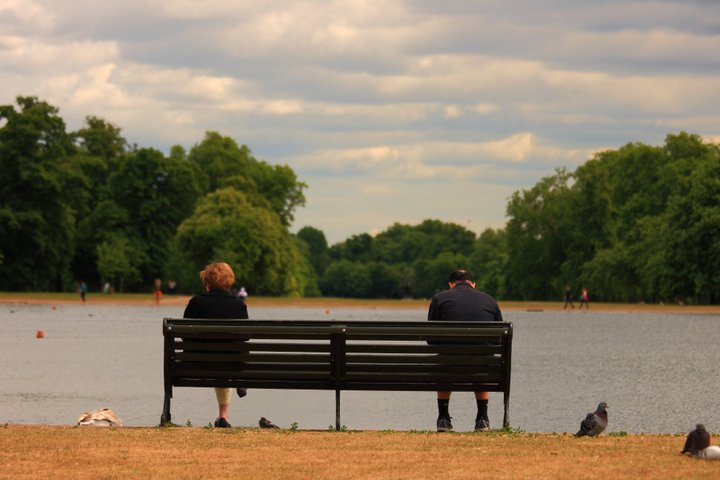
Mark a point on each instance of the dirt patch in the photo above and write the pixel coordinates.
(329, 303)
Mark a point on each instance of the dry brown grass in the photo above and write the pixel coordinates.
(179, 453)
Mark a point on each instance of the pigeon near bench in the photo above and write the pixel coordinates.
(697, 440)
(594, 422)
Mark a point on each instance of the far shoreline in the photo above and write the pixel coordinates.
(139, 299)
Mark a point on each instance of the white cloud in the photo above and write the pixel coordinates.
(483, 108)
(371, 100)
(24, 16)
(439, 160)
(453, 111)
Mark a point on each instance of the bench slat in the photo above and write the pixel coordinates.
(286, 374)
(423, 347)
(474, 360)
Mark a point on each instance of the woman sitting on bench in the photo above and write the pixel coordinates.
(218, 302)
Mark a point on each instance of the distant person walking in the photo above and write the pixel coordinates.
(242, 293)
(568, 298)
(584, 299)
(158, 291)
(83, 291)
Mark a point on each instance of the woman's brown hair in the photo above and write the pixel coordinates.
(217, 275)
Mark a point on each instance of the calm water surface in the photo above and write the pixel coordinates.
(656, 371)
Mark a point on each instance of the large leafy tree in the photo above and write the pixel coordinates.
(356, 248)
(636, 223)
(100, 148)
(407, 243)
(226, 226)
(346, 278)
(317, 248)
(117, 262)
(431, 274)
(404, 260)
(41, 188)
(488, 262)
(689, 236)
(222, 163)
(157, 193)
(537, 237)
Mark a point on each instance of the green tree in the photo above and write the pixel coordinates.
(357, 248)
(385, 281)
(307, 271)
(100, 138)
(537, 241)
(40, 188)
(222, 163)
(488, 262)
(317, 248)
(100, 147)
(690, 239)
(118, 262)
(157, 193)
(431, 275)
(407, 243)
(226, 226)
(346, 279)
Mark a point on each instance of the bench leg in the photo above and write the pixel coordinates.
(337, 410)
(166, 417)
(506, 416)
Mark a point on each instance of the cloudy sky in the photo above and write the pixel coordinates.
(390, 111)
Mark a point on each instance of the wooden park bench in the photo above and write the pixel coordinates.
(337, 355)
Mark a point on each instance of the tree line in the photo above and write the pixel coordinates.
(640, 223)
(636, 224)
(86, 206)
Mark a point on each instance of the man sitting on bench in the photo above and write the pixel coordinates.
(461, 302)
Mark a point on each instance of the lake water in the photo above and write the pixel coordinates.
(656, 371)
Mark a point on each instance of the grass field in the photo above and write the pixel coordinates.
(30, 452)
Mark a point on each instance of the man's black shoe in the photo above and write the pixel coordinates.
(482, 425)
(444, 424)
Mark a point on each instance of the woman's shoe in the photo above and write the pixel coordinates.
(222, 423)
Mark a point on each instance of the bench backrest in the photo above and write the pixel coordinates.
(338, 355)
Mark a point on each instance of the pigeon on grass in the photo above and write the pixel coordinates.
(594, 422)
(698, 445)
(265, 423)
(697, 440)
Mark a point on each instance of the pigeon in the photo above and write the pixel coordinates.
(595, 422)
(103, 417)
(265, 423)
(697, 440)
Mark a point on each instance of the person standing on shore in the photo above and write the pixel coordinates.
(158, 291)
(568, 298)
(461, 302)
(242, 293)
(584, 299)
(83, 291)
(218, 302)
